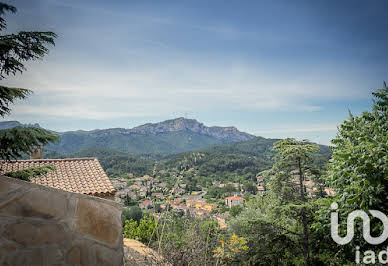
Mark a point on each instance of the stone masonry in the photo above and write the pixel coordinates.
(46, 226)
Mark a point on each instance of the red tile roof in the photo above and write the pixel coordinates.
(145, 202)
(78, 175)
(235, 198)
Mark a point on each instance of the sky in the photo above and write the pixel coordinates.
(270, 68)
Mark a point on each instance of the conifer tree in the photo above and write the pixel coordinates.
(15, 50)
(286, 187)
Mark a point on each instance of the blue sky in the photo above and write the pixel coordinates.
(270, 68)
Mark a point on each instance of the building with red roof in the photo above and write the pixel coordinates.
(233, 201)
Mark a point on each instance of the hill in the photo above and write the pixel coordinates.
(241, 160)
(214, 152)
(167, 137)
(11, 124)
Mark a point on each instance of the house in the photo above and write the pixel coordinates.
(178, 191)
(145, 204)
(162, 185)
(329, 191)
(233, 201)
(157, 195)
(77, 175)
(260, 179)
(134, 187)
(260, 190)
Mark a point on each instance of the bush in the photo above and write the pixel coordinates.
(132, 213)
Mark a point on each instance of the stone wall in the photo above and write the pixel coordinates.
(45, 226)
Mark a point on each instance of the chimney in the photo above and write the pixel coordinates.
(36, 152)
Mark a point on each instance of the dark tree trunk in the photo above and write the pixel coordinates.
(306, 247)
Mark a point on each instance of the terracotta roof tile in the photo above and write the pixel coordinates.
(235, 198)
(79, 175)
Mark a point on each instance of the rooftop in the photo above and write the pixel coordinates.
(78, 175)
(145, 202)
(235, 198)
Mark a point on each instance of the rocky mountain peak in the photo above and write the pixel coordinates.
(185, 124)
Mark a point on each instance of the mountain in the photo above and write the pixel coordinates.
(218, 153)
(167, 137)
(11, 124)
(228, 134)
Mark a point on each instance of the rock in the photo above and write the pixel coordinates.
(73, 257)
(106, 257)
(100, 221)
(30, 235)
(43, 204)
(136, 253)
(45, 227)
(29, 257)
(53, 256)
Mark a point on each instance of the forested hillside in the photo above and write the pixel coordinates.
(134, 143)
(242, 160)
(115, 163)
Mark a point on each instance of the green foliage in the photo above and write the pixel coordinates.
(358, 172)
(8, 96)
(250, 187)
(235, 210)
(143, 231)
(132, 213)
(18, 140)
(130, 229)
(187, 240)
(157, 208)
(117, 163)
(276, 226)
(30, 172)
(147, 145)
(128, 201)
(23, 46)
(233, 162)
(268, 243)
(15, 50)
(229, 249)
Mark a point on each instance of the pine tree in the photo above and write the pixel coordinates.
(15, 50)
(287, 190)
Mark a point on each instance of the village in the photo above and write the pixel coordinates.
(154, 195)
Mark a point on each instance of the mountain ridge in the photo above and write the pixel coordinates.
(166, 137)
(181, 123)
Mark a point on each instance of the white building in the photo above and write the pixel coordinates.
(233, 201)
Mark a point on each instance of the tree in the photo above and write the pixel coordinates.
(235, 210)
(293, 159)
(358, 173)
(250, 187)
(187, 240)
(276, 226)
(158, 208)
(143, 231)
(132, 213)
(229, 249)
(128, 201)
(15, 50)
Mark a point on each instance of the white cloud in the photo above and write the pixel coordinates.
(299, 129)
(83, 90)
